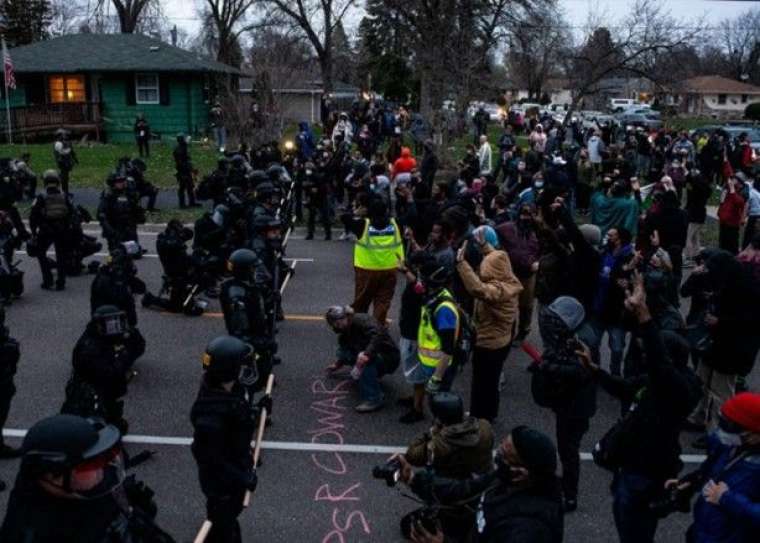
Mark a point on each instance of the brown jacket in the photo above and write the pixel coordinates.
(456, 451)
(496, 290)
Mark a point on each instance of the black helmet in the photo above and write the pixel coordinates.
(184, 233)
(116, 177)
(447, 408)
(258, 177)
(51, 177)
(61, 443)
(225, 356)
(264, 191)
(434, 275)
(109, 321)
(219, 216)
(275, 173)
(138, 164)
(264, 222)
(242, 263)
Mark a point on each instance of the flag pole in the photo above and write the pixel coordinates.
(7, 94)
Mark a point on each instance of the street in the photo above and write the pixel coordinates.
(315, 481)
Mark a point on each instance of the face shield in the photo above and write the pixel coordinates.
(98, 476)
(112, 324)
(249, 372)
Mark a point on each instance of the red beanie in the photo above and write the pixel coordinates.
(744, 410)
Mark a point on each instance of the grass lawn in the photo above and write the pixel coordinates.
(96, 161)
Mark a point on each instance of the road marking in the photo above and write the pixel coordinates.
(287, 317)
(300, 446)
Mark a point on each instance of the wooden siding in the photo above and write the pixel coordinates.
(186, 111)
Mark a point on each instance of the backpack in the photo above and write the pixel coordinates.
(466, 334)
(55, 207)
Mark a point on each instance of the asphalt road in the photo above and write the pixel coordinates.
(315, 483)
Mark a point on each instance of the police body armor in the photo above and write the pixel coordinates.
(171, 253)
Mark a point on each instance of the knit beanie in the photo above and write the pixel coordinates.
(486, 234)
(536, 450)
(744, 410)
(569, 310)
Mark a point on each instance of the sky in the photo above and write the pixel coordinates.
(184, 12)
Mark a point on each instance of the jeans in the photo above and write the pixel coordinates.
(369, 380)
(220, 135)
(486, 369)
(616, 340)
(633, 493)
(570, 431)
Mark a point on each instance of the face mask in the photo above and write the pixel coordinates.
(419, 288)
(729, 439)
(538, 184)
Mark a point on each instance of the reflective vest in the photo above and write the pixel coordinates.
(379, 249)
(428, 340)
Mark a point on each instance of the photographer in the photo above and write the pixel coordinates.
(728, 508)
(520, 502)
(643, 449)
(456, 447)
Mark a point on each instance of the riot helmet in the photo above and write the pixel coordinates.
(110, 321)
(51, 178)
(242, 264)
(79, 457)
(447, 408)
(184, 233)
(220, 214)
(258, 177)
(227, 359)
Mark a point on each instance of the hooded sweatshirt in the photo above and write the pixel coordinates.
(496, 291)
(456, 451)
(405, 164)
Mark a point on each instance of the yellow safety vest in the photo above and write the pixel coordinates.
(428, 340)
(379, 249)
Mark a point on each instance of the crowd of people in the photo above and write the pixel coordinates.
(588, 232)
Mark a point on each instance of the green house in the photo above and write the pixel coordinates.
(98, 83)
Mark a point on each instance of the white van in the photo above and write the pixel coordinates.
(619, 104)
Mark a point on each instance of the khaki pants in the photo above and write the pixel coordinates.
(693, 240)
(718, 387)
(527, 302)
(376, 288)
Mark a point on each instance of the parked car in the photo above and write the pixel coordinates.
(650, 122)
(619, 104)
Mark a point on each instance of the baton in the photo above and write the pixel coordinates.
(206, 526)
(259, 436)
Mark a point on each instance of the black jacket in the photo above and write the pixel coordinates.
(510, 515)
(224, 423)
(102, 363)
(661, 400)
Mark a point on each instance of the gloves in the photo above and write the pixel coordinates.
(251, 481)
(433, 385)
(265, 402)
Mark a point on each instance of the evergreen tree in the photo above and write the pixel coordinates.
(24, 21)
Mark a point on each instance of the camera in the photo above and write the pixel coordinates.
(676, 500)
(390, 472)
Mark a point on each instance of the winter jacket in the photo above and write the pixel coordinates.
(660, 399)
(495, 289)
(736, 519)
(731, 209)
(521, 245)
(506, 514)
(366, 334)
(457, 451)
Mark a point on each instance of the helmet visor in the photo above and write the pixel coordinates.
(98, 476)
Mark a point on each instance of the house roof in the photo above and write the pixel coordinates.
(78, 53)
(715, 84)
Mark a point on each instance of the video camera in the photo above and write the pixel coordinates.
(390, 472)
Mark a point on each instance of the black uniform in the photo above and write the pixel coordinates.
(50, 222)
(247, 309)
(119, 213)
(214, 185)
(65, 159)
(134, 170)
(11, 278)
(142, 137)
(11, 191)
(315, 186)
(116, 284)
(101, 371)
(184, 173)
(9, 357)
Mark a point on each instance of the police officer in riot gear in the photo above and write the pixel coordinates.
(50, 221)
(183, 277)
(224, 420)
(71, 488)
(116, 283)
(119, 212)
(134, 169)
(185, 171)
(9, 357)
(102, 367)
(214, 185)
(267, 245)
(11, 190)
(247, 307)
(316, 196)
(267, 200)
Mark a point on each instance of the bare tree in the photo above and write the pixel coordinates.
(228, 17)
(536, 47)
(318, 21)
(129, 12)
(632, 48)
(740, 39)
(68, 17)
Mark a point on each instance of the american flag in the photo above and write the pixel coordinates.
(10, 75)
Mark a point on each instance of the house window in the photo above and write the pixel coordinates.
(146, 89)
(66, 88)
(721, 99)
(744, 98)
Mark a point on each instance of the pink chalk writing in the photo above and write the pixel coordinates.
(335, 487)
